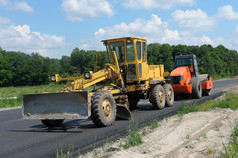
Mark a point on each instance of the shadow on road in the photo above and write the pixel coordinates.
(67, 127)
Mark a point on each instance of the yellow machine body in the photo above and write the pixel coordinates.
(128, 78)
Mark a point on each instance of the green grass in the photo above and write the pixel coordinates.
(61, 154)
(211, 151)
(231, 150)
(134, 137)
(154, 125)
(185, 109)
(220, 77)
(230, 101)
(6, 92)
(16, 91)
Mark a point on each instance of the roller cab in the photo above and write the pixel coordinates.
(186, 78)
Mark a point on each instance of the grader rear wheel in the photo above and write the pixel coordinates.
(157, 97)
(103, 109)
(169, 95)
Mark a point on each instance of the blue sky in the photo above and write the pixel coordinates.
(55, 27)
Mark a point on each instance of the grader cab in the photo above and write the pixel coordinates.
(126, 79)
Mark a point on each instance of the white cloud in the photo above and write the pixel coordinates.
(77, 10)
(230, 43)
(189, 38)
(156, 4)
(206, 40)
(4, 2)
(193, 19)
(21, 38)
(226, 12)
(4, 21)
(22, 6)
(153, 29)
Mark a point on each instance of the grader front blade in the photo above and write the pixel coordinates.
(123, 112)
(65, 105)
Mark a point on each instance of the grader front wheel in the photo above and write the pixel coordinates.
(103, 109)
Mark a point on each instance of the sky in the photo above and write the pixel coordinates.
(53, 28)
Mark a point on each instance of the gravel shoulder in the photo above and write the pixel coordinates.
(199, 134)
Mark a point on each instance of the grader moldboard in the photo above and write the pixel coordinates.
(127, 79)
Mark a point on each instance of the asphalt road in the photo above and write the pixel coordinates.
(29, 138)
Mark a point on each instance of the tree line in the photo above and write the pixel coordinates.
(21, 69)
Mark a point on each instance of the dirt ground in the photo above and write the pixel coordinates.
(195, 135)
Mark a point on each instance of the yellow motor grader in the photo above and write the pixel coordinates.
(127, 78)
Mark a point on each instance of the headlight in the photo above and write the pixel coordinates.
(87, 75)
(52, 78)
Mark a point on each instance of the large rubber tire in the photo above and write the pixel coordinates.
(206, 92)
(52, 123)
(158, 97)
(150, 97)
(103, 109)
(169, 95)
(196, 89)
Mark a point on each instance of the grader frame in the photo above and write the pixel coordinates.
(127, 78)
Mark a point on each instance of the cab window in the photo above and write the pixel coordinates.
(118, 47)
(129, 51)
(138, 50)
(144, 51)
(184, 62)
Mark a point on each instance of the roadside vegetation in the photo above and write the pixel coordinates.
(231, 150)
(230, 101)
(134, 137)
(220, 77)
(12, 96)
(21, 69)
(62, 154)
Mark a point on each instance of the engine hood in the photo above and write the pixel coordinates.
(180, 71)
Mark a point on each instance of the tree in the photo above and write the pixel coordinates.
(20, 69)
